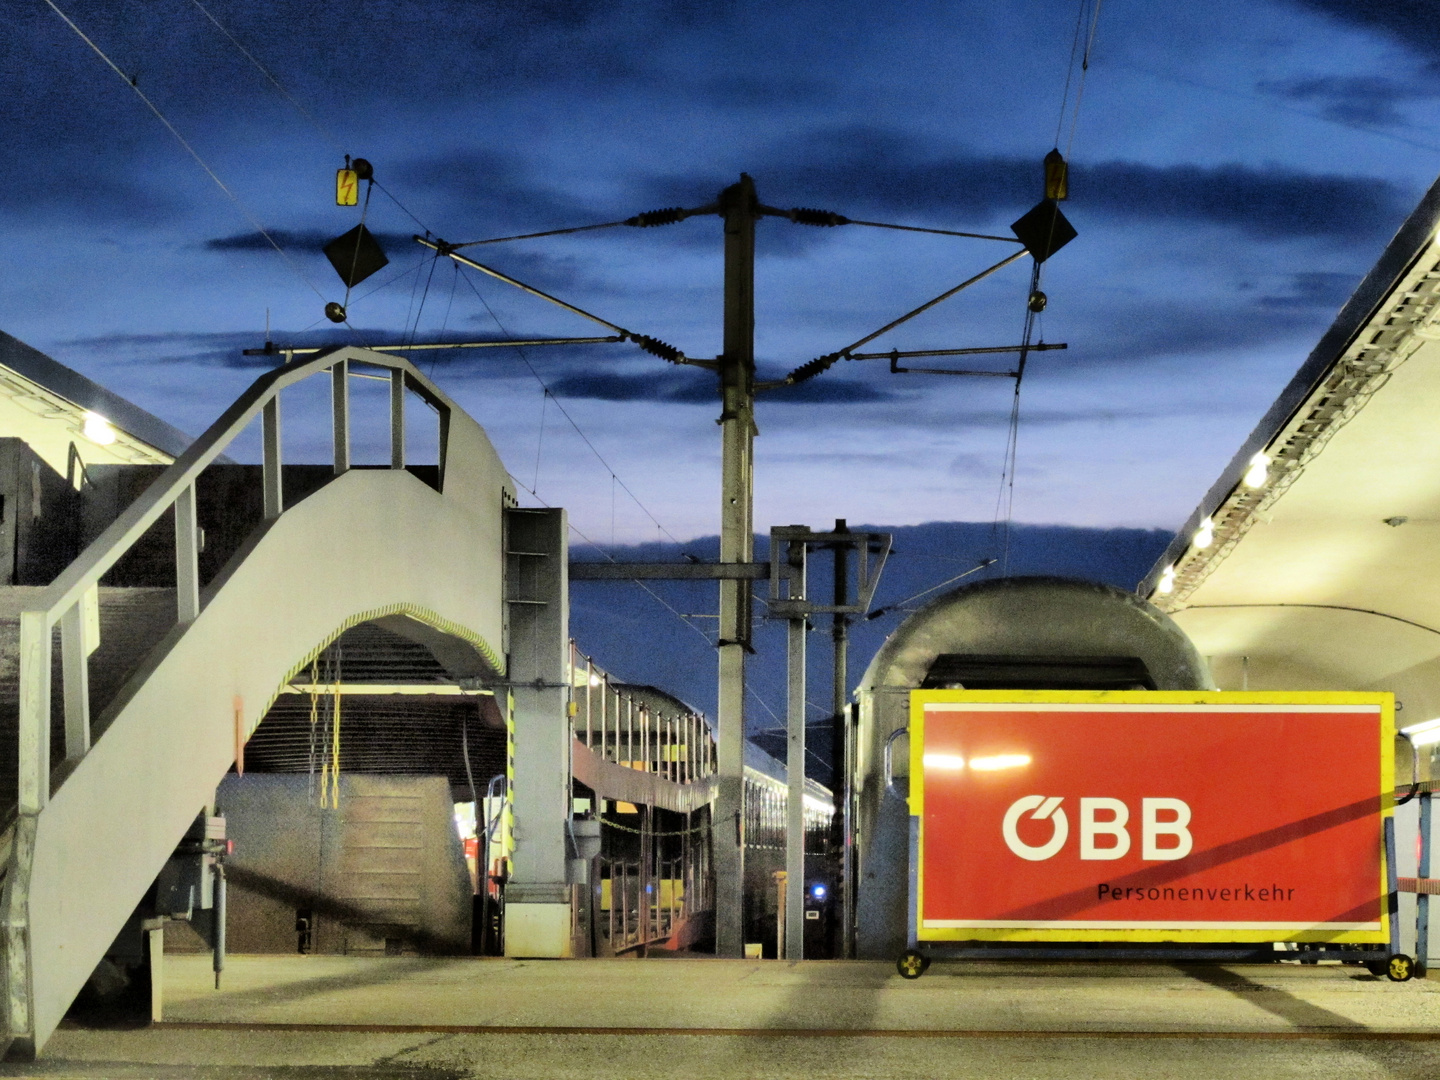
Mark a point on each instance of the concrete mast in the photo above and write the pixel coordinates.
(740, 209)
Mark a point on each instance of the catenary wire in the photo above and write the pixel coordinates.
(938, 232)
(565, 413)
(535, 235)
(1084, 70)
(254, 222)
(270, 78)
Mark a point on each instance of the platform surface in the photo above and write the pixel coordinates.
(423, 1019)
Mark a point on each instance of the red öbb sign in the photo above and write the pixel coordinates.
(1150, 816)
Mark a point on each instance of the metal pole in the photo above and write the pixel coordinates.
(271, 480)
(839, 739)
(793, 912)
(1422, 900)
(219, 914)
(397, 418)
(75, 667)
(340, 400)
(187, 557)
(740, 208)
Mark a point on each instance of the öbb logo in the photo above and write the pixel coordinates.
(1092, 827)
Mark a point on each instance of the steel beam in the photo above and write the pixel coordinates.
(538, 895)
(270, 436)
(627, 571)
(397, 418)
(187, 557)
(340, 399)
(76, 667)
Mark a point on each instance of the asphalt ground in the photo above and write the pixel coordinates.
(422, 1019)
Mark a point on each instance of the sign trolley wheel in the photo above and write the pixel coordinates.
(912, 964)
(1399, 968)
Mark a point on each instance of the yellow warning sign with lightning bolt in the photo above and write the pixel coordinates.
(347, 187)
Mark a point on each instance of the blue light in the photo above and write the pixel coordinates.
(818, 892)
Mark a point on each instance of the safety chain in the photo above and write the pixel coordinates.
(703, 827)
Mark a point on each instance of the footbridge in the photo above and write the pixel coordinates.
(130, 705)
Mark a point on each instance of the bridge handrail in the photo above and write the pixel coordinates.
(62, 601)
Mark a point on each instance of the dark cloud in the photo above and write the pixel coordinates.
(226, 348)
(220, 348)
(696, 389)
(747, 91)
(858, 171)
(332, 55)
(1413, 23)
(493, 194)
(310, 240)
(1315, 289)
(1367, 101)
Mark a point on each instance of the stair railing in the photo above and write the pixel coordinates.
(63, 601)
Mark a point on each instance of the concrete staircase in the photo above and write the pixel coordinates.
(108, 758)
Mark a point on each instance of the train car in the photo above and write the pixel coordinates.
(1022, 633)
(651, 884)
(766, 797)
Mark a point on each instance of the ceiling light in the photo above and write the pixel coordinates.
(1205, 535)
(98, 430)
(1423, 734)
(1258, 471)
(951, 762)
(999, 761)
(1166, 585)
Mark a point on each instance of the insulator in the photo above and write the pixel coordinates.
(335, 312)
(1038, 300)
(363, 169)
(667, 216)
(804, 215)
(656, 347)
(814, 367)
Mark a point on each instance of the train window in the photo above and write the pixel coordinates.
(966, 671)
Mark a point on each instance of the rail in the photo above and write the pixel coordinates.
(63, 602)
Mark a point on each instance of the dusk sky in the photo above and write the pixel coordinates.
(1236, 167)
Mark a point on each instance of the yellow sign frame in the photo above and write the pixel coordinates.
(919, 699)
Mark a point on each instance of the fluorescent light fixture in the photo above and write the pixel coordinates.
(999, 761)
(1205, 535)
(97, 429)
(949, 762)
(1424, 734)
(1166, 584)
(1258, 471)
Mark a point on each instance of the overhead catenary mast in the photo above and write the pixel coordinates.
(740, 209)
(1039, 234)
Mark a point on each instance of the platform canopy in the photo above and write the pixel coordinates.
(1314, 561)
(64, 417)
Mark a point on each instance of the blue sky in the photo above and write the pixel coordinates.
(1237, 166)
